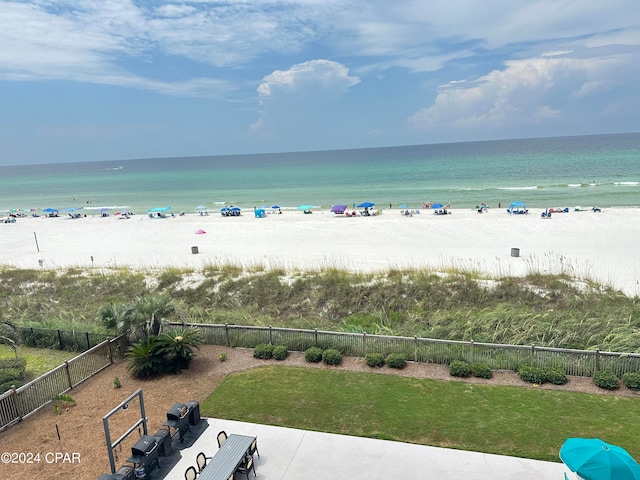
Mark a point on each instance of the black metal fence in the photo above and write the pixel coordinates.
(73, 341)
(498, 357)
(19, 403)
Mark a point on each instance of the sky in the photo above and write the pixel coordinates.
(88, 80)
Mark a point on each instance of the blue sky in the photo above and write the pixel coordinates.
(85, 80)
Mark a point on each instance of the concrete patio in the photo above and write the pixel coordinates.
(290, 454)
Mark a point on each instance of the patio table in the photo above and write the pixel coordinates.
(227, 458)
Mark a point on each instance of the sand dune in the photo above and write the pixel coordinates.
(600, 246)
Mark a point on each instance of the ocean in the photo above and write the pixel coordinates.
(601, 170)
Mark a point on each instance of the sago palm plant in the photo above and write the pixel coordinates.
(178, 345)
(145, 358)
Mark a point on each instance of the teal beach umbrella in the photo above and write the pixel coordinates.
(593, 459)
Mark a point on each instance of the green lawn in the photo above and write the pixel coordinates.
(39, 360)
(516, 421)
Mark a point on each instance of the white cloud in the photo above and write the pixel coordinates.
(315, 75)
(524, 92)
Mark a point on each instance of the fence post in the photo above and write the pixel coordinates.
(270, 335)
(364, 344)
(533, 355)
(66, 369)
(88, 343)
(471, 352)
(597, 359)
(17, 402)
(315, 337)
(109, 351)
(226, 332)
(60, 340)
(415, 349)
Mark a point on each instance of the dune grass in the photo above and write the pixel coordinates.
(515, 421)
(545, 310)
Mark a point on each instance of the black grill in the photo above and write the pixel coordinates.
(144, 455)
(194, 412)
(178, 419)
(163, 437)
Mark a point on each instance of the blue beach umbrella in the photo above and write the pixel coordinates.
(366, 205)
(437, 205)
(404, 205)
(49, 210)
(305, 207)
(593, 459)
(276, 207)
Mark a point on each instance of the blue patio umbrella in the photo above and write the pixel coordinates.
(366, 205)
(594, 459)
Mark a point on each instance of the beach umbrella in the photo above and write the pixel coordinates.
(437, 205)
(338, 208)
(200, 207)
(305, 207)
(366, 205)
(159, 209)
(50, 210)
(404, 205)
(200, 232)
(593, 459)
(275, 207)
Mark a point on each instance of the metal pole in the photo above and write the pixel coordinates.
(36, 237)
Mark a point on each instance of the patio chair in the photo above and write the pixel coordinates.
(254, 448)
(246, 467)
(190, 473)
(222, 437)
(201, 461)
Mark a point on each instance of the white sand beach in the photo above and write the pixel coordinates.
(602, 246)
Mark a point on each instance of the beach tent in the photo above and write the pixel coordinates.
(260, 213)
(338, 208)
(517, 207)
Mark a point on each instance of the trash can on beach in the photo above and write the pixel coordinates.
(194, 250)
(515, 252)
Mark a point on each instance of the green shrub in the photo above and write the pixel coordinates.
(375, 360)
(20, 363)
(631, 380)
(62, 402)
(396, 360)
(481, 370)
(263, 351)
(331, 357)
(8, 374)
(606, 379)
(556, 376)
(458, 368)
(7, 385)
(532, 374)
(313, 354)
(280, 352)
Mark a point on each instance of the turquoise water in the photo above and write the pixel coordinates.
(549, 172)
